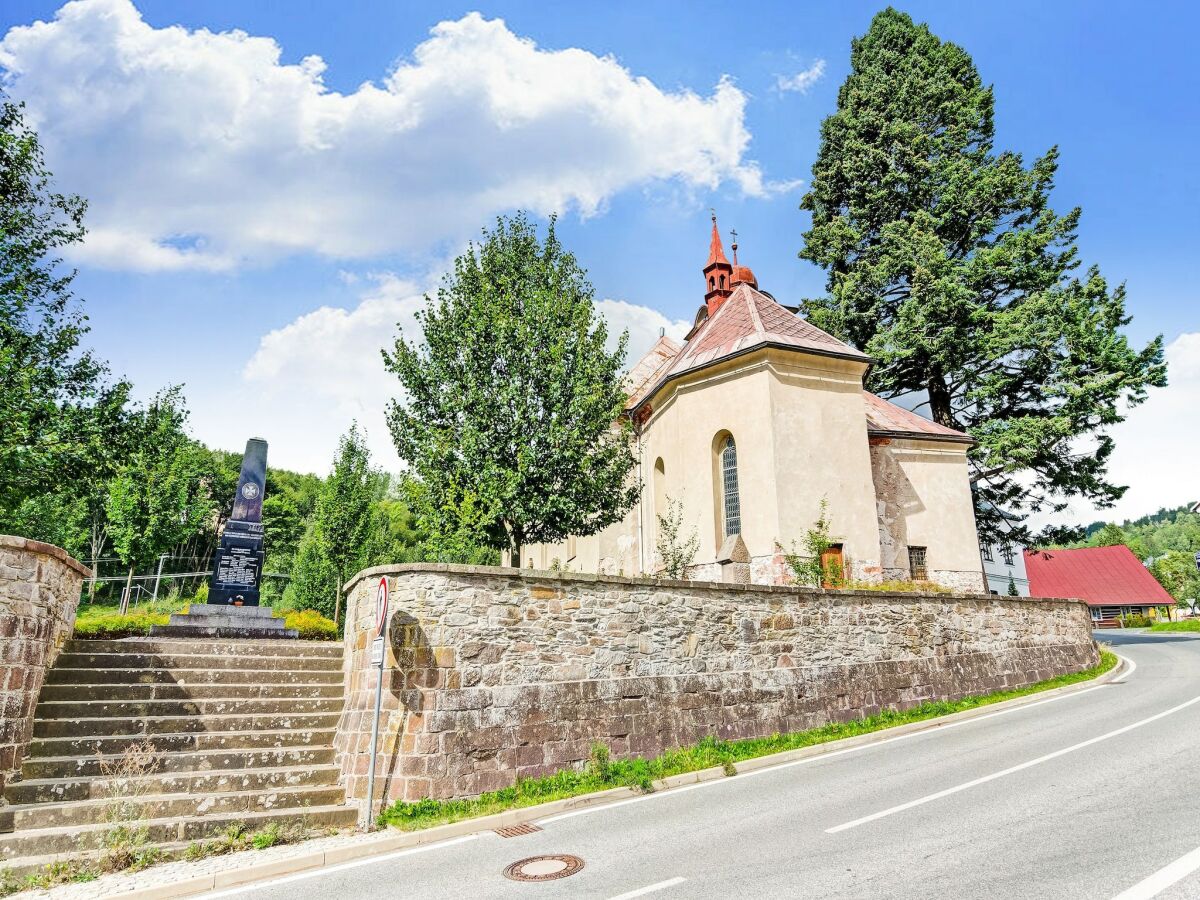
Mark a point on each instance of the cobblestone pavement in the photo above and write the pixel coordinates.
(172, 872)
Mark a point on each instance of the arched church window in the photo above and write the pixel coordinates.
(722, 282)
(729, 483)
(712, 282)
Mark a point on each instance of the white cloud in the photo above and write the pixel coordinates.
(202, 150)
(801, 81)
(309, 380)
(643, 324)
(1156, 446)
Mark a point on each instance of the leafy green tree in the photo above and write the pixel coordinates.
(1177, 573)
(158, 497)
(47, 384)
(1109, 536)
(313, 583)
(343, 514)
(511, 398)
(948, 266)
(675, 552)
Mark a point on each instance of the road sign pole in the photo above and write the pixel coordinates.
(379, 655)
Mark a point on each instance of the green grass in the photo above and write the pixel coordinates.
(1185, 625)
(105, 622)
(601, 773)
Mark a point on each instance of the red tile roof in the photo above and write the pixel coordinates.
(1103, 576)
(645, 374)
(747, 320)
(884, 417)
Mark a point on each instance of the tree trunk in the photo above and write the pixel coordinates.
(337, 602)
(125, 596)
(939, 401)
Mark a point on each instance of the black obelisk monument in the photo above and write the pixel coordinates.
(237, 565)
(232, 609)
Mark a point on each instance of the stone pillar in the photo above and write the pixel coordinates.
(734, 560)
(39, 594)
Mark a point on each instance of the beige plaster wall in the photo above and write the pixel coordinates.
(924, 499)
(820, 437)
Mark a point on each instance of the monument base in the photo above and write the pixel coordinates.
(220, 621)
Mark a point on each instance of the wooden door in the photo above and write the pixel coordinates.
(833, 564)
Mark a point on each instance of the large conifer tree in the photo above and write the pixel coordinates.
(948, 266)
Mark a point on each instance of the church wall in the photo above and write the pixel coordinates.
(687, 421)
(820, 438)
(924, 499)
(494, 674)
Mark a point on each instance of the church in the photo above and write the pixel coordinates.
(755, 420)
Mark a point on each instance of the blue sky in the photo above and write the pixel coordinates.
(224, 258)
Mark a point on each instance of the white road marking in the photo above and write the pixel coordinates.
(938, 729)
(339, 867)
(650, 889)
(1132, 668)
(1009, 771)
(1155, 884)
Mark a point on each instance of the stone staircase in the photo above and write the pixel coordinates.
(242, 732)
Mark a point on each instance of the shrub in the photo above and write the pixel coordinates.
(1135, 621)
(922, 587)
(105, 623)
(312, 625)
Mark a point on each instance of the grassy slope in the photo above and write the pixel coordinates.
(1185, 625)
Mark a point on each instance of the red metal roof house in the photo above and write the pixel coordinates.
(1111, 579)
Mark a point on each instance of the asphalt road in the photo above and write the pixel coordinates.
(1089, 795)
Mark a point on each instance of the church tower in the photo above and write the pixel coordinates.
(718, 273)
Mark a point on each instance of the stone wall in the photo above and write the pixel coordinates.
(495, 674)
(39, 593)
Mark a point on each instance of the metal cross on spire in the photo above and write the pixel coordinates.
(733, 234)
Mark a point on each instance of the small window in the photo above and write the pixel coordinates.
(987, 552)
(1006, 551)
(722, 282)
(712, 283)
(916, 564)
(729, 483)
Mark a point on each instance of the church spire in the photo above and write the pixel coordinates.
(718, 273)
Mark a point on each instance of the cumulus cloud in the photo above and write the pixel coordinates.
(801, 81)
(1156, 445)
(307, 381)
(201, 150)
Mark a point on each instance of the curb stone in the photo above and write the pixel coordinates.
(394, 839)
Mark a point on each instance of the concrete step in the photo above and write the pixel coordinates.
(58, 790)
(64, 838)
(150, 726)
(197, 660)
(185, 646)
(160, 675)
(81, 709)
(90, 745)
(199, 761)
(227, 630)
(38, 816)
(165, 691)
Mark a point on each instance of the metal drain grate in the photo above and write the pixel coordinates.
(517, 830)
(544, 868)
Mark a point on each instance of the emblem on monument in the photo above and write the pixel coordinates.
(250, 490)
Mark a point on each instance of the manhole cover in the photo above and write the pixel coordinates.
(544, 868)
